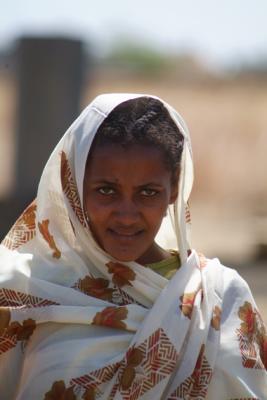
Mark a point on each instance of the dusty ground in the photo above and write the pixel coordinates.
(228, 124)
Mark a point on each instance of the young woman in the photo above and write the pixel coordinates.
(91, 306)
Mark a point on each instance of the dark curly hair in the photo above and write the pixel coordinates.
(143, 121)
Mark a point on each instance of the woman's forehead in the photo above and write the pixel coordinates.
(112, 152)
(114, 159)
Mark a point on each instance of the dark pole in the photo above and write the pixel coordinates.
(50, 76)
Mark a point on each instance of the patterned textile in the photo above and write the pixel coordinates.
(76, 324)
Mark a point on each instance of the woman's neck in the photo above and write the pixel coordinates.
(154, 254)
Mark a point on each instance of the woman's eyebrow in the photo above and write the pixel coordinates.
(154, 184)
(111, 181)
(104, 181)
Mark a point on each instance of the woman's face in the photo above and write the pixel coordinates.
(126, 194)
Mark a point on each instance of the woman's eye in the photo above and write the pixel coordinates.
(149, 192)
(106, 190)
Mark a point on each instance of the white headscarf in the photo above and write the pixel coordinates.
(179, 212)
(85, 128)
(76, 144)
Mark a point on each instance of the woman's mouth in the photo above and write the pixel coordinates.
(125, 235)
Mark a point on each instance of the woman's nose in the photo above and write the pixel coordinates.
(127, 212)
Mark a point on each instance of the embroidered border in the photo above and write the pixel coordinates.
(196, 385)
(23, 230)
(70, 189)
(141, 370)
(252, 337)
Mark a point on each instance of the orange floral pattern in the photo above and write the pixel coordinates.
(60, 392)
(216, 318)
(70, 189)
(13, 332)
(248, 316)
(252, 337)
(121, 274)
(23, 230)
(112, 317)
(95, 287)
(103, 289)
(43, 228)
(135, 358)
(22, 332)
(4, 319)
(89, 394)
(187, 303)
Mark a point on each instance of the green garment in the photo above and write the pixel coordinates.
(168, 267)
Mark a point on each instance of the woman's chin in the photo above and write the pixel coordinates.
(122, 258)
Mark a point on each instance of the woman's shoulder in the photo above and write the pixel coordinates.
(231, 278)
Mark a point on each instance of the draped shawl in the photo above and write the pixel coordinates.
(77, 324)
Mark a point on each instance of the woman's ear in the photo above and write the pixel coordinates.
(174, 186)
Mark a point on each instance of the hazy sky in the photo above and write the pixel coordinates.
(220, 31)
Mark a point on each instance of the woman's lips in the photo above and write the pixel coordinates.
(122, 235)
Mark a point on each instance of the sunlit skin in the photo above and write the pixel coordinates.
(126, 195)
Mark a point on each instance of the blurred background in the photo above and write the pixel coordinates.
(208, 59)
